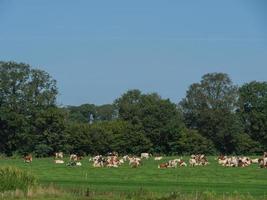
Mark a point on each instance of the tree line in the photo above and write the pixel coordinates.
(215, 116)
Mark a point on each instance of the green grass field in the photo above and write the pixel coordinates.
(212, 178)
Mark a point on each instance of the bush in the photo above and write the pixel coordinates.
(43, 150)
(13, 178)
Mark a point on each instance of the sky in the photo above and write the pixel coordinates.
(97, 50)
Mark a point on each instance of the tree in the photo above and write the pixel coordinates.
(151, 115)
(24, 92)
(209, 107)
(105, 112)
(191, 142)
(253, 111)
(82, 113)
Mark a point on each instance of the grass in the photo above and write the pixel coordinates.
(13, 178)
(211, 180)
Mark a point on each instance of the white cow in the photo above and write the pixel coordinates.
(158, 158)
(145, 155)
(59, 161)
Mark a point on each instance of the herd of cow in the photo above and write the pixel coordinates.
(113, 160)
(242, 161)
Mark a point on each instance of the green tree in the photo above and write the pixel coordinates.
(253, 111)
(82, 113)
(151, 115)
(24, 92)
(209, 107)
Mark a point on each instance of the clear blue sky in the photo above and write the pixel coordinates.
(96, 50)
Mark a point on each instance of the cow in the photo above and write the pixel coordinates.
(235, 161)
(192, 162)
(28, 158)
(59, 161)
(134, 162)
(125, 158)
(112, 161)
(59, 155)
(199, 159)
(256, 160)
(182, 163)
(158, 158)
(163, 165)
(73, 157)
(121, 161)
(145, 155)
(98, 161)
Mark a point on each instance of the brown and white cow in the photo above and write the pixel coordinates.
(28, 158)
(59, 155)
(163, 165)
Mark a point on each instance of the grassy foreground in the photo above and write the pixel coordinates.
(125, 182)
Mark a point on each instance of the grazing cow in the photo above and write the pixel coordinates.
(158, 158)
(145, 155)
(28, 158)
(59, 155)
(59, 161)
(163, 165)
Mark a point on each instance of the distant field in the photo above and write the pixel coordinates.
(148, 177)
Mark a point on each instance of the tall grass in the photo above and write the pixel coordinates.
(12, 178)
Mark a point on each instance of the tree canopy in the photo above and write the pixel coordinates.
(215, 116)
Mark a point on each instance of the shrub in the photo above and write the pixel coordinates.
(13, 178)
(43, 150)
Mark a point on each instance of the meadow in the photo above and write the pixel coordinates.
(212, 179)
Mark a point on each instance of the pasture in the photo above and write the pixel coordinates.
(212, 178)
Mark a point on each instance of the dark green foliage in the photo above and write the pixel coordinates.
(209, 107)
(191, 142)
(214, 117)
(88, 113)
(24, 94)
(253, 111)
(103, 137)
(157, 118)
